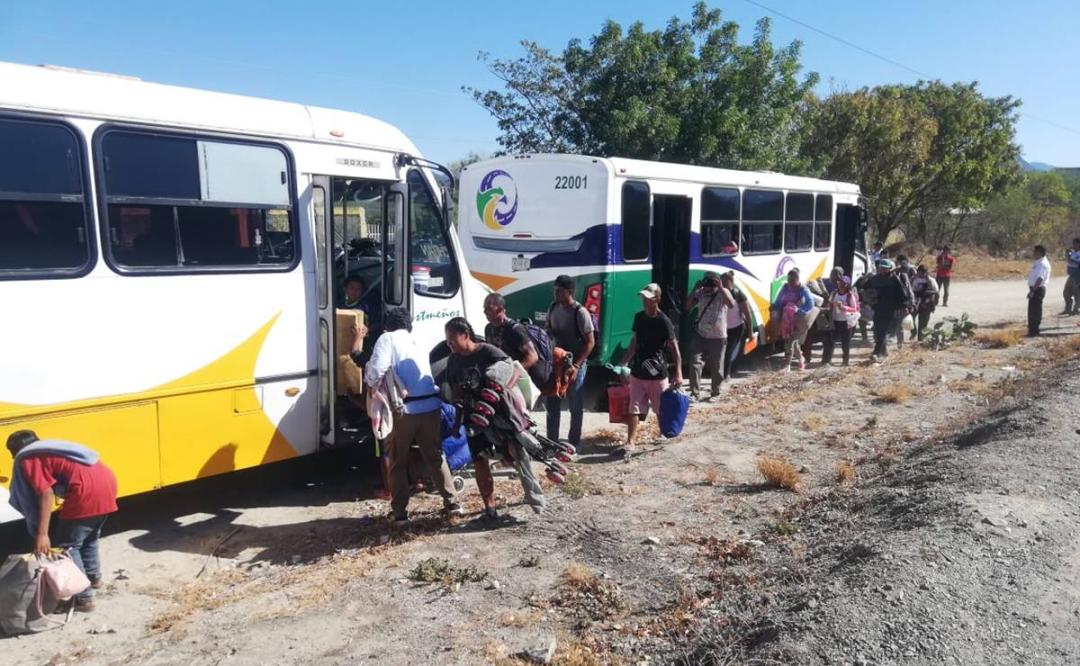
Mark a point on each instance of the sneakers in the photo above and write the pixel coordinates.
(490, 515)
(453, 509)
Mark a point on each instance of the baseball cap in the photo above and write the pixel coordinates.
(651, 291)
(711, 276)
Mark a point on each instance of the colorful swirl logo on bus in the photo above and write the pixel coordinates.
(497, 199)
(785, 265)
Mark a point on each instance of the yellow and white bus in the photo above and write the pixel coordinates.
(170, 263)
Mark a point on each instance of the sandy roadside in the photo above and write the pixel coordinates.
(300, 567)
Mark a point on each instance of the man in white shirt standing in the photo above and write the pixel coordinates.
(396, 351)
(1037, 279)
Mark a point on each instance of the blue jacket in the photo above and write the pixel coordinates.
(805, 303)
(23, 498)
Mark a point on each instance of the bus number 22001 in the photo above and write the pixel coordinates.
(571, 182)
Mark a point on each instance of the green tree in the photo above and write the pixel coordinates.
(918, 151)
(688, 93)
(1034, 211)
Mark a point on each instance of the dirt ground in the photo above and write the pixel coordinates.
(933, 520)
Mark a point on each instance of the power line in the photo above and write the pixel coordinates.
(887, 59)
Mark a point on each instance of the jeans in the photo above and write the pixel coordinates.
(922, 323)
(707, 354)
(943, 285)
(1035, 303)
(553, 405)
(80, 538)
(842, 332)
(1072, 294)
(735, 346)
(883, 323)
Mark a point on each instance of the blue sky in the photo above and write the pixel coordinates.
(404, 62)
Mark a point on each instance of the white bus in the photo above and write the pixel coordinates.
(617, 224)
(170, 262)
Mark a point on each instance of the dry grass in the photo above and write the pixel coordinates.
(713, 477)
(725, 551)
(893, 394)
(845, 474)
(605, 437)
(971, 384)
(814, 423)
(588, 597)
(1063, 348)
(578, 576)
(1002, 338)
(204, 595)
(520, 619)
(779, 473)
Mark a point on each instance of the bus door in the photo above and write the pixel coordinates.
(849, 226)
(671, 252)
(359, 235)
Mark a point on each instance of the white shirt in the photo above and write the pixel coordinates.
(1039, 269)
(398, 350)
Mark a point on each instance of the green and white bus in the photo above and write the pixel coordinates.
(617, 224)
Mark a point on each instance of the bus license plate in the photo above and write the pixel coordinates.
(520, 264)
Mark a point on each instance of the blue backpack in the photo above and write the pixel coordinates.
(455, 444)
(674, 406)
(538, 335)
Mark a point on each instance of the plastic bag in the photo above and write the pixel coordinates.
(674, 406)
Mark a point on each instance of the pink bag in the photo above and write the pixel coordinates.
(63, 577)
(618, 400)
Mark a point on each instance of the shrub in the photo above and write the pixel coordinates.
(779, 473)
(894, 394)
(999, 339)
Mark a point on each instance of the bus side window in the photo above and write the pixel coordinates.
(43, 222)
(178, 201)
(719, 221)
(799, 222)
(763, 221)
(432, 264)
(823, 215)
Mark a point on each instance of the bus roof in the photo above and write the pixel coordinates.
(629, 168)
(100, 96)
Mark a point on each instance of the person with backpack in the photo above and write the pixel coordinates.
(886, 294)
(906, 273)
(926, 299)
(572, 327)
(47, 469)
(524, 342)
(708, 346)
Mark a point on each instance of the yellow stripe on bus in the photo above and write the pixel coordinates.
(204, 423)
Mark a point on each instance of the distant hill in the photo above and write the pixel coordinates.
(1035, 166)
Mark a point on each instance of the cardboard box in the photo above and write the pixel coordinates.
(349, 377)
(344, 320)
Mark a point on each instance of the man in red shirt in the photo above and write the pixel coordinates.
(945, 265)
(54, 468)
